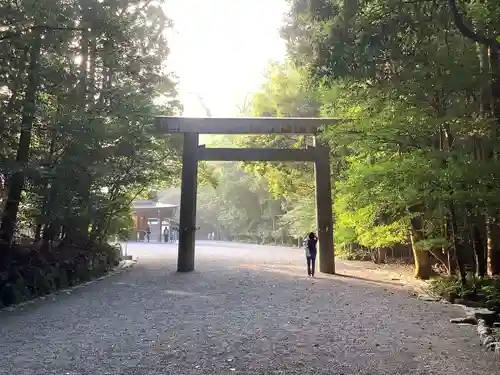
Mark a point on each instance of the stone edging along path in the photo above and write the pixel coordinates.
(487, 322)
(123, 265)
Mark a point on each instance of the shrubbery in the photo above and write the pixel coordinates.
(78, 141)
(36, 271)
(481, 292)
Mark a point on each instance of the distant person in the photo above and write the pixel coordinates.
(166, 235)
(311, 251)
(148, 232)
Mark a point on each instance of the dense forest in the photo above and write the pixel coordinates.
(80, 84)
(414, 159)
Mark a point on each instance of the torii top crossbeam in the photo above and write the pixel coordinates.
(242, 125)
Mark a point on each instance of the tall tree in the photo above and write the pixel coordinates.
(413, 88)
(79, 81)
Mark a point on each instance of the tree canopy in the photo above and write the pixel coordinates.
(415, 159)
(80, 83)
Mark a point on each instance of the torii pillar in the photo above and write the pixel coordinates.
(324, 212)
(187, 212)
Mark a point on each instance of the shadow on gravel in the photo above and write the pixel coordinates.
(366, 280)
(229, 317)
(298, 272)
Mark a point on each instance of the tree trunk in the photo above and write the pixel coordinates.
(38, 232)
(45, 213)
(421, 258)
(479, 244)
(495, 83)
(493, 45)
(484, 68)
(457, 245)
(79, 229)
(451, 260)
(452, 263)
(493, 248)
(380, 256)
(16, 181)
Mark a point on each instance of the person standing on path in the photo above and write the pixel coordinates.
(311, 251)
(166, 235)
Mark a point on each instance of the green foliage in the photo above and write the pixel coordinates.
(121, 225)
(300, 217)
(93, 145)
(46, 273)
(487, 288)
(414, 130)
(239, 205)
(285, 93)
(414, 152)
(443, 287)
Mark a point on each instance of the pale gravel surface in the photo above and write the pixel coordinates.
(246, 310)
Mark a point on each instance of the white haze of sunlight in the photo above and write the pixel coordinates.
(220, 50)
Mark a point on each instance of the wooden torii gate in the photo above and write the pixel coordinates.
(193, 152)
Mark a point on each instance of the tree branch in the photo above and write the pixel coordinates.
(459, 21)
(14, 34)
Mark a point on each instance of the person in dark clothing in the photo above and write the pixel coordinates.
(311, 251)
(148, 233)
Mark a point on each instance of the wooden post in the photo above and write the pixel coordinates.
(324, 214)
(187, 219)
(160, 219)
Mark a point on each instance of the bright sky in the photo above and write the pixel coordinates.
(221, 48)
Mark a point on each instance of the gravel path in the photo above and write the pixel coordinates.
(246, 310)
